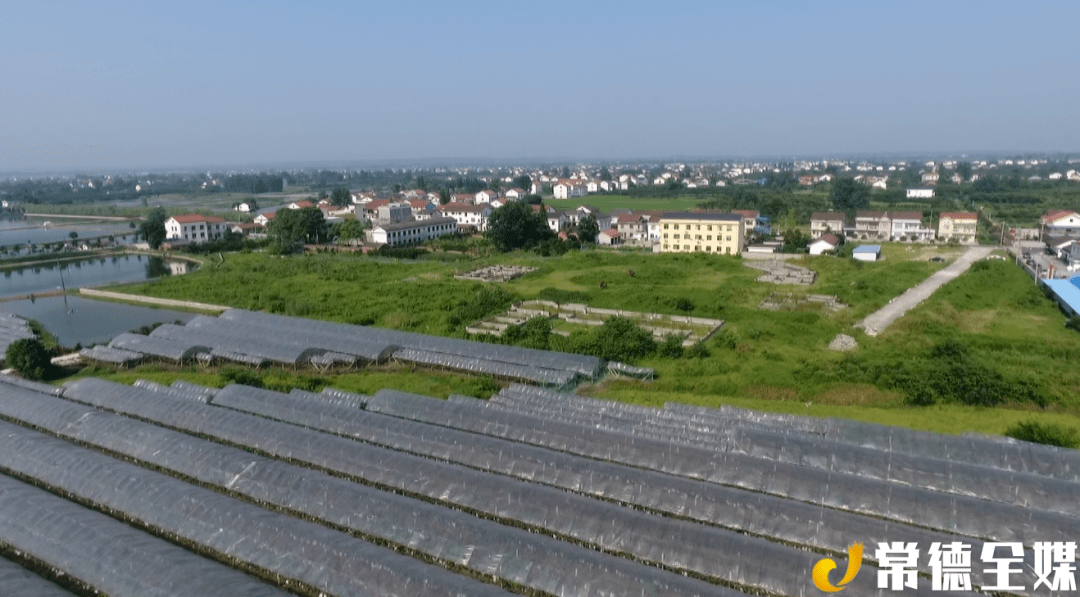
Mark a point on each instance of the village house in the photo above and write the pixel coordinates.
(685, 232)
(300, 205)
(608, 237)
(392, 213)
(750, 219)
(485, 196)
(194, 228)
(466, 215)
(568, 189)
(872, 224)
(908, 225)
(959, 225)
(826, 242)
(1057, 222)
(264, 219)
(824, 222)
(557, 221)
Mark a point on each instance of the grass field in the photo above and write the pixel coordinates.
(773, 361)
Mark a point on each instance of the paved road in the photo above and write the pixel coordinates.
(883, 317)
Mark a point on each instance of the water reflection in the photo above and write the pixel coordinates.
(94, 271)
(76, 320)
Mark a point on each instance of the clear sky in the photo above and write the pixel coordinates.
(157, 85)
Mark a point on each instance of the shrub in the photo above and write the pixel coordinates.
(618, 339)
(1049, 434)
(29, 357)
(241, 376)
(726, 338)
(534, 333)
(671, 347)
(685, 305)
(698, 351)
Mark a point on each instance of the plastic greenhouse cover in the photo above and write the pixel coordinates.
(486, 547)
(586, 365)
(348, 345)
(267, 346)
(20, 582)
(181, 384)
(783, 519)
(289, 548)
(949, 512)
(126, 562)
(358, 400)
(476, 365)
(186, 394)
(1024, 457)
(157, 347)
(36, 386)
(672, 542)
(1026, 490)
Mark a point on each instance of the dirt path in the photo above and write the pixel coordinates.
(883, 317)
(149, 300)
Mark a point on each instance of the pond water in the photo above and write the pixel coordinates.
(16, 234)
(89, 272)
(76, 320)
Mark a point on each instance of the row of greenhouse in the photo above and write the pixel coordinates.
(189, 490)
(261, 339)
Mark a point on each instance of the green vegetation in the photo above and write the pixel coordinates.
(1045, 433)
(29, 357)
(153, 229)
(1007, 331)
(516, 226)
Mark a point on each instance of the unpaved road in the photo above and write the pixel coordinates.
(883, 317)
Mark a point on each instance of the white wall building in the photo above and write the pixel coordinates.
(195, 228)
(411, 233)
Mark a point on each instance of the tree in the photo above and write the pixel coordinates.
(350, 230)
(964, 170)
(523, 182)
(340, 196)
(153, 229)
(588, 229)
(296, 226)
(849, 195)
(74, 235)
(566, 171)
(619, 339)
(29, 357)
(516, 226)
(605, 174)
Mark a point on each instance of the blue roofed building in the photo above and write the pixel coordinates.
(1066, 293)
(867, 252)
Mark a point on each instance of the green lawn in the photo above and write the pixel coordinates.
(774, 361)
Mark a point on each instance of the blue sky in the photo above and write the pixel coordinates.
(158, 85)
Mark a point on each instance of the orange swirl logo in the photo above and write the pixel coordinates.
(825, 566)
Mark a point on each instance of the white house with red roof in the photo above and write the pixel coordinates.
(264, 219)
(515, 194)
(486, 196)
(300, 204)
(195, 228)
(1060, 221)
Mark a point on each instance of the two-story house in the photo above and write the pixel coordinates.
(872, 224)
(195, 228)
(959, 225)
(827, 222)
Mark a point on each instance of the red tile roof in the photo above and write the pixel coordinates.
(193, 218)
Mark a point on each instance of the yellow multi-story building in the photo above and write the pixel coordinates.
(686, 232)
(959, 225)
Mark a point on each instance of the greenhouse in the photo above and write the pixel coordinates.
(535, 491)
